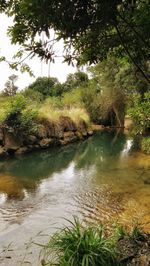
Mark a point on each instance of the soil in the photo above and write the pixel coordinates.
(133, 252)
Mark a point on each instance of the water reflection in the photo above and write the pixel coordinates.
(97, 177)
(26, 172)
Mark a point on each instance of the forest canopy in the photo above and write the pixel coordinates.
(90, 29)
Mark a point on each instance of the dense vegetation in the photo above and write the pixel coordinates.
(44, 98)
(113, 35)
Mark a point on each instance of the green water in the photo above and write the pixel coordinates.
(100, 180)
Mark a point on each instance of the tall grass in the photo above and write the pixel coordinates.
(76, 245)
(53, 114)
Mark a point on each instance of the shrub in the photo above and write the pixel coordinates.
(145, 145)
(78, 246)
(72, 99)
(74, 81)
(140, 113)
(46, 86)
(53, 103)
(19, 114)
(91, 98)
(32, 95)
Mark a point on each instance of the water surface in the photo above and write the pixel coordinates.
(101, 180)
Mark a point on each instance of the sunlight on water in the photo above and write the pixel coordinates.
(127, 148)
(2, 198)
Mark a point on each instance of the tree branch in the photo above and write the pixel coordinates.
(130, 56)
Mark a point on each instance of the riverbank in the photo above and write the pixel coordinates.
(46, 134)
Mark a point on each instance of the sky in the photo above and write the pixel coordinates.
(59, 69)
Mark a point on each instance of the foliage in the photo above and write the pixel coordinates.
(19, 115)
(10, 88)
(145, 145)
(92, 28)
(104, 96)
(140, 113)
(46, 86)
(73, 98)
(33, 95)
(75, 80)
(4, 107)
(53, 103)
(75, 245)
(21, 110)
(91, 97)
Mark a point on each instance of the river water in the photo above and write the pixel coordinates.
(101, 180)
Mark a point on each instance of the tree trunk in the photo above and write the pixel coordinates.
(119, 117)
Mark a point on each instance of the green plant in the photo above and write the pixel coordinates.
(120, 232)
(19, 114)
(53, 103)
(33, 96)
(72, 99)
(137, 234)
(46, 86)
(74, 81)
(90, 29)
(140, 113)
(145, 145)
(104, 96)
(80, 246)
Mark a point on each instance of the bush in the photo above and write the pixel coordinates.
(140, 113)
(46, 86)
(74, 81)
(19, 115)
(32, 95)
(4, 107)
(78, 246)
(145, 145)
(91, 98)
(72, 99)
(53, 103)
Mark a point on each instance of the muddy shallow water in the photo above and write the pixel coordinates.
(100, 180)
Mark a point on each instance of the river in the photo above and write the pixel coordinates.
(102, 179)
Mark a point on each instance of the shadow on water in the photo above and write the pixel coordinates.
(99, 149)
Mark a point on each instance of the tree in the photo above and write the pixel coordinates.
(105, 95)
(91, 27)
(75, 80)
(46, 86)
(10, 88)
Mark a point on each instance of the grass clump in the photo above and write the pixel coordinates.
(53, 114)
(77, 245)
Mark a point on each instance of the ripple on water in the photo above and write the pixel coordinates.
(100, 205)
